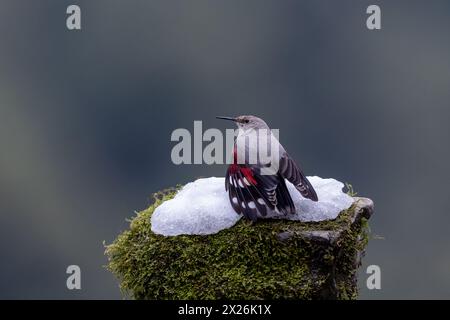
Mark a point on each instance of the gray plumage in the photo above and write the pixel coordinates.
(256, 187)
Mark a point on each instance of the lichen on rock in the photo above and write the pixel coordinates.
(270, 259)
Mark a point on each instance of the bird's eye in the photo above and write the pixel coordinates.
(246, 121)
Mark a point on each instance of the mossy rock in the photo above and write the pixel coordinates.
(270, 259)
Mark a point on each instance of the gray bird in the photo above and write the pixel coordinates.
(255, 179)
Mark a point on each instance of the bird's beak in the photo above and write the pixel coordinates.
(227, 118)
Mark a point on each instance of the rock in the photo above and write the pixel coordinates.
(362, 209)
(269, 259)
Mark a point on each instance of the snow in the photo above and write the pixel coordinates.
(202, 207)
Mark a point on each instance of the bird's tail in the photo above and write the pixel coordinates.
(306, 189)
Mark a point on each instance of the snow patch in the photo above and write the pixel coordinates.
(203, 207)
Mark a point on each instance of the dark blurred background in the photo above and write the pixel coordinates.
(86, 118)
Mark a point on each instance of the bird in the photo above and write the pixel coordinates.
(257, 188)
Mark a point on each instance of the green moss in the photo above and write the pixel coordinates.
(247, 261)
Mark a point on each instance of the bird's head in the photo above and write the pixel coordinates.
(247, 122)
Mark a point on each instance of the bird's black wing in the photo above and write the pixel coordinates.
(277, 193)
(289, 170)
(251, 193)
